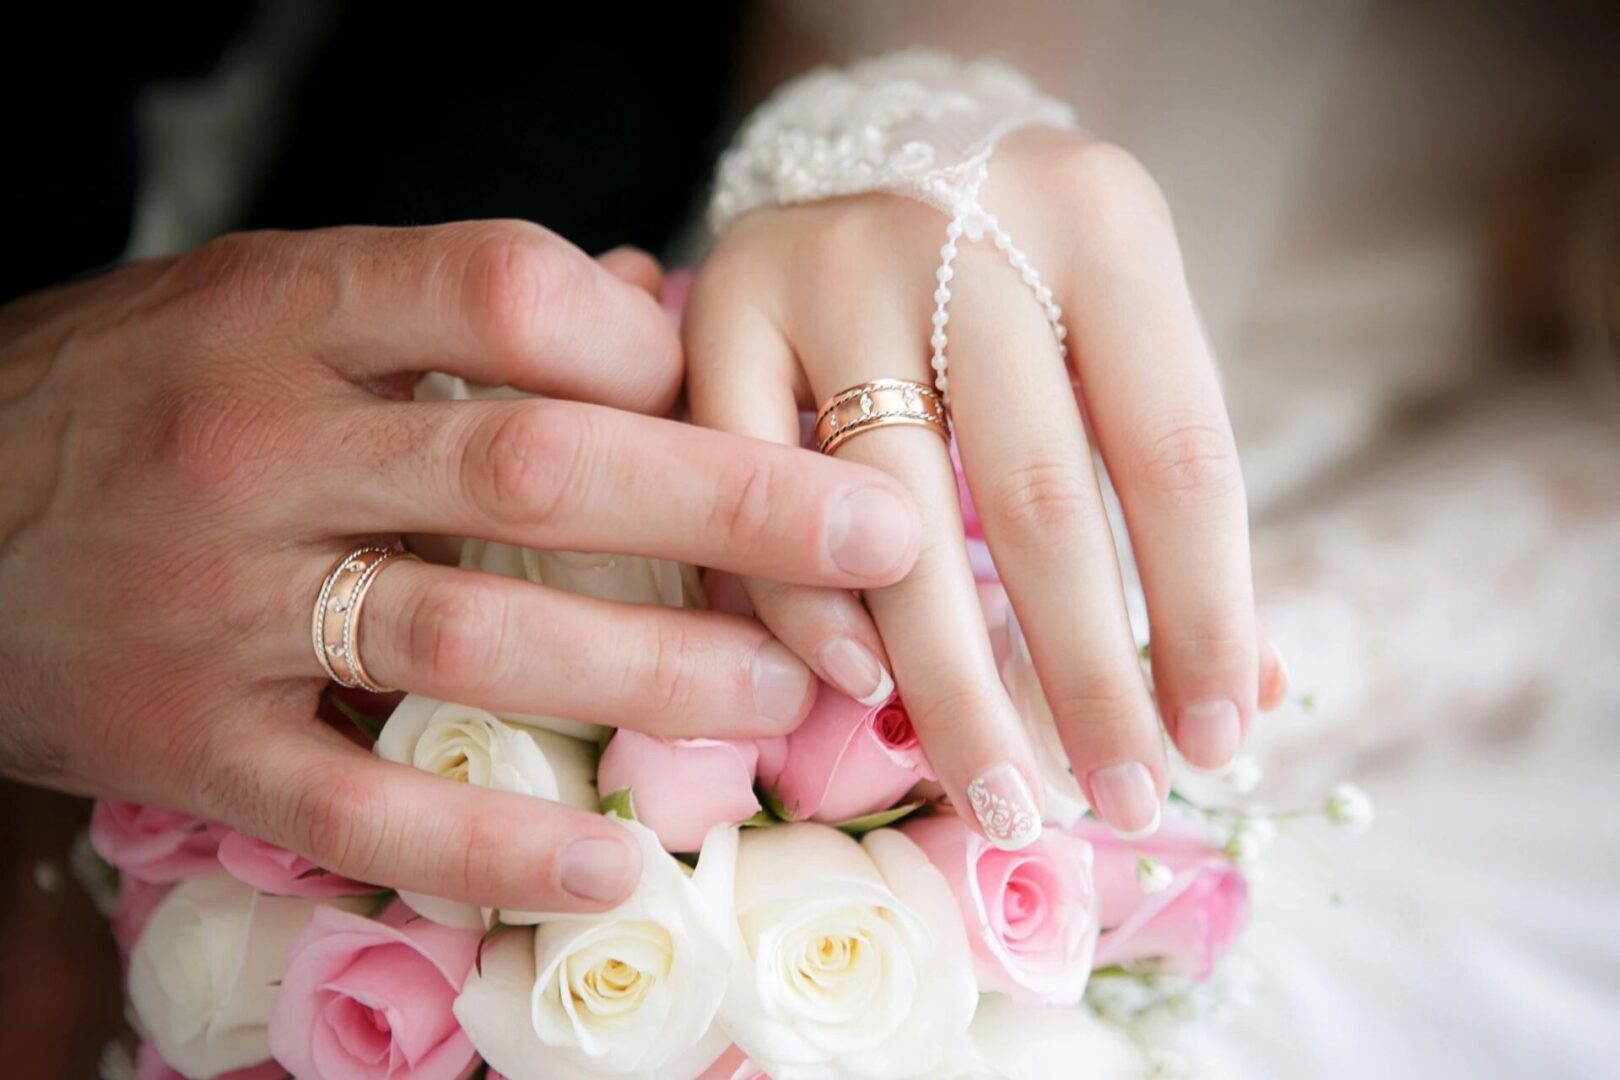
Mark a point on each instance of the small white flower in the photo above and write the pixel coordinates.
(1250, 836)
(1152, 875)
(1351, 808)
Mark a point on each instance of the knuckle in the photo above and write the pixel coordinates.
(529, 462)
(454, 632)
(1104, 701)
(1042, 504)
(744, 508)
(677, 660)
(341, 817)
(217, 441)
(514, 272)
(1109, 178)
(1194, 461)
(1216, 641)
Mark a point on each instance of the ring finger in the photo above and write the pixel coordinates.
(513, 646)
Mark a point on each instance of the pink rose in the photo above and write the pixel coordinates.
(681, 788)
(846, 760)
(371, 998)
(151, 843)
(273, 869)
(149, 1065)
(1185, 928)
(136, 899)
(1031, 915)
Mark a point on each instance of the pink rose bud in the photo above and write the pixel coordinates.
(149, 1065)
(846, 760)
(1031, 915)
(153, 844)
(681, 788)
(136, 899)
(373, 997)
(273, 869)
(1183, 928)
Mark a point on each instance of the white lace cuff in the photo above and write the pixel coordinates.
(914, 123)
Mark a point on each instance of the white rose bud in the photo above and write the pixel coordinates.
(1152, 876)
(475, 747)
(1351, 808)
(632, 992)
(849, 958)
(203, 974)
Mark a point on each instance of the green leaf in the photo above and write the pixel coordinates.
(370, 726)
(759, 820)
(620, 804)
(774, 805)
(860, 825)
(314, 872)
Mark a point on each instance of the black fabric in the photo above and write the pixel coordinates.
(597, 121)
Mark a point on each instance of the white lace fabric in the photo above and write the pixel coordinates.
(916, 123)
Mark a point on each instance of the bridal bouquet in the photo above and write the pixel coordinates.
(809, 908)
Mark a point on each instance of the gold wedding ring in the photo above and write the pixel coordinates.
(876, 404)
(335, 623)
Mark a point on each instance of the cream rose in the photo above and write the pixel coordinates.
(848, 958)
(632, 992)
(203, 973)
(472, 746)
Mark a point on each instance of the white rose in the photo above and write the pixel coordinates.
(632, 992)
(1037, 1042)
(1065, 803)
(848, 958)
(203, 974)
(472, 746)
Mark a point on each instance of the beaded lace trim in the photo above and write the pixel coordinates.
(916, 123)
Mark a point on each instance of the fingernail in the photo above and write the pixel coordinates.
(1124, 797)
(869, 532)
(598, 870)
(1002, 802)
(1208, 734)
(1272, 695)
(855, 670)
(780, 683)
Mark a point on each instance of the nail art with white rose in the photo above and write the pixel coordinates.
(1002, 802)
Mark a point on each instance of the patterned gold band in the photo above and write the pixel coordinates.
(876, 404)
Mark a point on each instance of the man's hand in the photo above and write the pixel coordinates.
(189, 443)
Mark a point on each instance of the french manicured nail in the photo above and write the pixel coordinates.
(781, 683)
(1124, 797)
(597, 870)
(1276, 687)
(855, 670)
(1006, 810)
(1209, 734)
(869, 532)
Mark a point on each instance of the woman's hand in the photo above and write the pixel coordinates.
(800, 302)
(189, 445)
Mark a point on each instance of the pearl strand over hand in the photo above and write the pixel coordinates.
(939, 339)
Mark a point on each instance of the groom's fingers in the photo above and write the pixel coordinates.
(512, 646)
(505, 303)
(565, 476)
(387, 824)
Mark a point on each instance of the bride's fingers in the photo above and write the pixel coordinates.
(313, 791)
(513, 646)
(1155, 402)
(931, 622)
(1028, 465)
(934, 630)
(744, 383)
